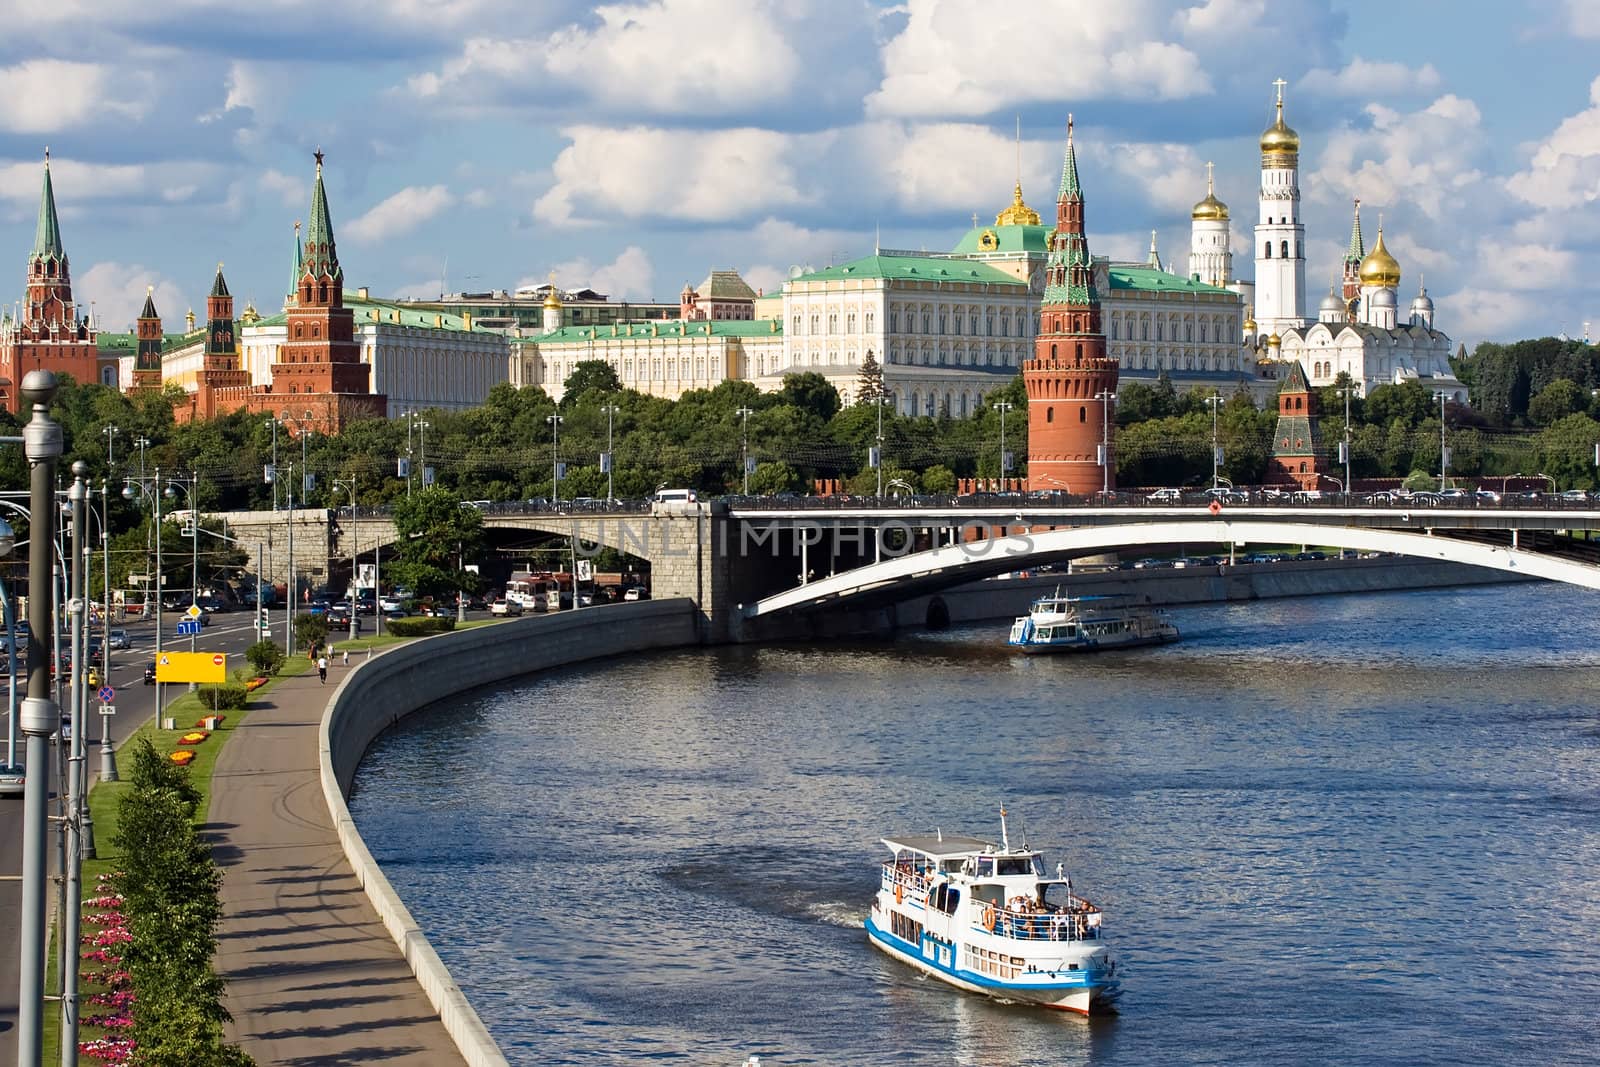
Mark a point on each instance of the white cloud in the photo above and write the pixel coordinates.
(246, 84)
(1372, 79)
(677, 174)
(631, 276)
(1424, 158)
(291, 190)
(1524, 266)
(1471, 313)
(50, 95)
(950, 165)
(1583, 18)
(1564, 171)
(966, 60)
(678, 57)
(118, 291)
(73, 180)
(1172, 175)
(400, 213)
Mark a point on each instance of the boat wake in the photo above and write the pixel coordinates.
(837, 913)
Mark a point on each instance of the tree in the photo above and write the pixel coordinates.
(811, 393)
(588, 374)
(778, 477)
(939, 479)
(435, 536)
(266, 656)
(1565, 451)
(869, 383)
(1556, 401)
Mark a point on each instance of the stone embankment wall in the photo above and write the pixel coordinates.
(409, 677)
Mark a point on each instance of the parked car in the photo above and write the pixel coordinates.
(636, 592)
(1166, 496)
(120, 640)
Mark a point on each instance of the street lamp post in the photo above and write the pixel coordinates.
(610, 459)
(188, 488)
(1345, 445)
(72, 872)
(292, 585)
(1444, 453)
(110, 430)
(273, 421)
(744, 461)
(879, 402)
(1215, 401)
(555, 422)
(1105, 396)
(108, 755)
(153, 492)
(1002, 407)
(350, 484)
(41, 716)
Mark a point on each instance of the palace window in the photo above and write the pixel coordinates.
(1285, 254)
(869, 322)
(833, 322)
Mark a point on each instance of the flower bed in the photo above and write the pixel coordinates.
(255, 683)
(182, 758)
(193, 738)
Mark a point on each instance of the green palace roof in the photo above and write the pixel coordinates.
(1005, 239)
(914, 268)
(1148, 279)
(111, 345)
(658, 328)
(367, 309)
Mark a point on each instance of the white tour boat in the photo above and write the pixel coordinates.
(985, 918)
(1089, 624)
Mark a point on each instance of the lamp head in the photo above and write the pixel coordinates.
(127, 491)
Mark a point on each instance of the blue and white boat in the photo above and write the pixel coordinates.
(985, 918)
(1089, 624)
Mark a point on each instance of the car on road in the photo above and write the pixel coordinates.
(1574, 496)
(120, 640)
(502, 606)
(635, 593)
(204, 619)
(12, 781)
(1166, 496)
(150, 673)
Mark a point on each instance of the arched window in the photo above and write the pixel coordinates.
(1052, 351)
(1083, 414)
(1268, 253)
(1050, 414)
(1285, 250)
(1078, 354)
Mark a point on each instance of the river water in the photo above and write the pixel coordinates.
(1331, 830)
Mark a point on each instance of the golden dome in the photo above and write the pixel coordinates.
(1380, 269)
(1274, 341)
(1250, 324)
(1279, 143)
(1018, 214)
(1210, 207)
(551, 300)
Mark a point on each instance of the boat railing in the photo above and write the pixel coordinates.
(909, 879)
(1080, 925)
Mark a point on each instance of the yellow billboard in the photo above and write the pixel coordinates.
(192, 667)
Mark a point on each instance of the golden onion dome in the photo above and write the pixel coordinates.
(1209, 208)
(1278, 141)
(1274, 341)
(1250, 325)
(1018, 214)
(1380, 270)
(551, 300)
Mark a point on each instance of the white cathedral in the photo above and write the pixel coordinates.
(1357, 329)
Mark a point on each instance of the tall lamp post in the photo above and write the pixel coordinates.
(744, 461)
(110, 430)
(188, 487)
(72, 872)
(350, 484)
(609, 461)
(1002, 407)
(555, 422)
(273, 470)
(1444, 452)
(1344, 446)
(41, 716)
(132, 490)
(1215, 401)
(1105, 396)
(877, 453)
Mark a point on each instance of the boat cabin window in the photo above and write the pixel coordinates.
(1013, 865)
(989, 893)
(985, 866)
(1056, 897)
(945, 898)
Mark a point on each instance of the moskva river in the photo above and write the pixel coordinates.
(1324, 831)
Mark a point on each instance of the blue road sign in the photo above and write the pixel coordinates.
(107, 694)
(188, 627)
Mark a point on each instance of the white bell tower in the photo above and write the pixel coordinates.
(1280, 235)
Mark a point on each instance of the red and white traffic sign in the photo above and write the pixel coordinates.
(219, 659)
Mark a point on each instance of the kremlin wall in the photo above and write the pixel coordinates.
(1017, 297)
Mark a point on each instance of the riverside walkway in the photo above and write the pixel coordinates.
(313, 976)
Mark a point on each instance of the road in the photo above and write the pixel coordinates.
(135, 703)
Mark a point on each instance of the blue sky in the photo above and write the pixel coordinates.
(637, 145)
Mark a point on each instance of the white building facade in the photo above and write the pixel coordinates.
(665, 359)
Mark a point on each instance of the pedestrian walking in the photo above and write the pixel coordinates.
(322, 669)
(347, 657)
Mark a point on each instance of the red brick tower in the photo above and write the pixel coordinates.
(219, 366)
(1296, 443)
(49, 335)
(1070, 368)
(147, 356)
(319, 366)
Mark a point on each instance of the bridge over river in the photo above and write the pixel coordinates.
(749, 562)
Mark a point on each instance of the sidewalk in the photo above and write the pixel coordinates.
(313, 976)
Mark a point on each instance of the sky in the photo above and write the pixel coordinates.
(635, 146)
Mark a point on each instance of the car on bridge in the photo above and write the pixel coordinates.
(1166, 496)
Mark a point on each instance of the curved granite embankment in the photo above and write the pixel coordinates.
(412, 676)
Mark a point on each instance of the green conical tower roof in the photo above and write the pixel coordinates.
(47, 237)
(1357, 250)
(219, 287)
(1069, 170)
(149, 311)
(322, 256)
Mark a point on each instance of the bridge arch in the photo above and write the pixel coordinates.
(921, 572)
